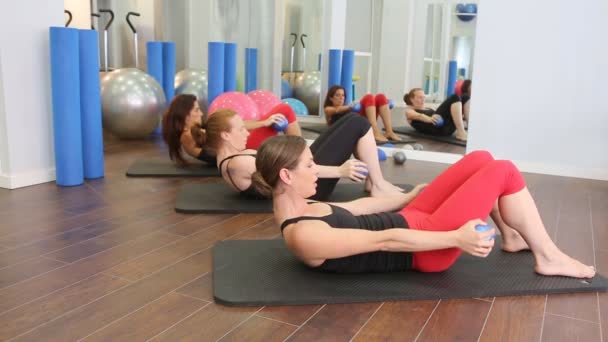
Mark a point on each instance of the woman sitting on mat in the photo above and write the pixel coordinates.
(421, 230)
(225, 133)
(371, 107)
(446, 120)
(184, 114)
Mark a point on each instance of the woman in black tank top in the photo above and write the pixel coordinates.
(367, 235)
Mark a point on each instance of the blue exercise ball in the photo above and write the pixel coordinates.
(466, 10)
(286, 90)
(298, 106)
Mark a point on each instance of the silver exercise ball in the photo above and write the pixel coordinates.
(308, 90)
(194, 82)
(132, 103)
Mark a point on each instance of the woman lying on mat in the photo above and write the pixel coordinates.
(372, 106)
(446, 120)
(225, 133)
(422, 230)
(184, 114)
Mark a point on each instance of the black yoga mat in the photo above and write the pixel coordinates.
(414, 133)
(264, 272)
(157, 167)
(320, 128)
(219, 198)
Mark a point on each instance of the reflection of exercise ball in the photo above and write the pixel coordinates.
(194, 82)
(286, 90)
(466, 9)
(298, 106)
(132, 103)
(308, 90)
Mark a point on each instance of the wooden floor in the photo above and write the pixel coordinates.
(111, 261)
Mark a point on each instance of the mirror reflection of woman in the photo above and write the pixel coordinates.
(447, 119)
(372, 107)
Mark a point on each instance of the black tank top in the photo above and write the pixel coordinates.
(365, 262)
(425, 111)
(250, 192)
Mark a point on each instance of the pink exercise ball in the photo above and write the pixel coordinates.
(238, 102)
(264, 99)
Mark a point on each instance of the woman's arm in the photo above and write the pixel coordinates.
(275, 118)
(372, 205)
(353, 169)
(190, 146)
(315, 241)
(331, 110)
(411, 115)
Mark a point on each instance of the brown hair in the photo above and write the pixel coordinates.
(465, 87)
(275, 154)
(174, 122)
(209, 134)
(330, 93)
(408, 96)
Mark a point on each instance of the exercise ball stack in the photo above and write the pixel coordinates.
(132, 103)
(308, 90)
(194, 82)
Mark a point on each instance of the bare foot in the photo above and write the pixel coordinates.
(513, 242)
(393, 136)
(563, 265)
(384, 188)
(380, 137)
(461, 136)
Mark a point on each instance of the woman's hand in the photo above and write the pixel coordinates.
(416, 190)
(274, 118)
(435, 119)
(473, 242)
(354, 169)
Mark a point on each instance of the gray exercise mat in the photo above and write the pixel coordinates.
(157, 167)
(414, 133)
(264, 272)
(320, 128)
(219, 198)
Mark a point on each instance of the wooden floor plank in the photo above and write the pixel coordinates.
(603, 304)
(335, 322)
(83, 321)
(456, 320)
(515, 319)
(559, 328)
(397, 321)
(31, 315)
(577, 305)
(150, 320)
(198, 223)
(209, 324)
(31, 268)
(139, 268)
(259, 329)
(296, 315)
(29, 290)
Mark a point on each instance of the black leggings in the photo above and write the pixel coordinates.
(445, 110)
(335, 146)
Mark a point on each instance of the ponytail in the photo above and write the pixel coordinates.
(260, 186)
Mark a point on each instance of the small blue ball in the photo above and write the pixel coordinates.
(439, 122)
(357, 107)
(391, 104)
(381, 155)
(280, 127)
(484, 228)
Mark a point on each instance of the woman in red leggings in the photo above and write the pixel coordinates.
(372, 107)
(429, 231)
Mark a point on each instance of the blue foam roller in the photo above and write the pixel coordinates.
(348, 67)
(335, 67)
(251, 70)
(154, 60)
(65, 91)
(168, 70)
(229, 67)
(452, 77)
(90, 105)
(215, 71)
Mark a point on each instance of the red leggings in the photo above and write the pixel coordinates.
(370, 100)
(259, 135)
(467, 190)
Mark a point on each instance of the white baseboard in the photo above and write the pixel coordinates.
(562, 170)
(27, 179)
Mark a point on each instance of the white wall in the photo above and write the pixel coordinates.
(81, 13)
(539, 85)
(26, 154)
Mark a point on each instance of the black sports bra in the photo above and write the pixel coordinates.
(250, 192)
